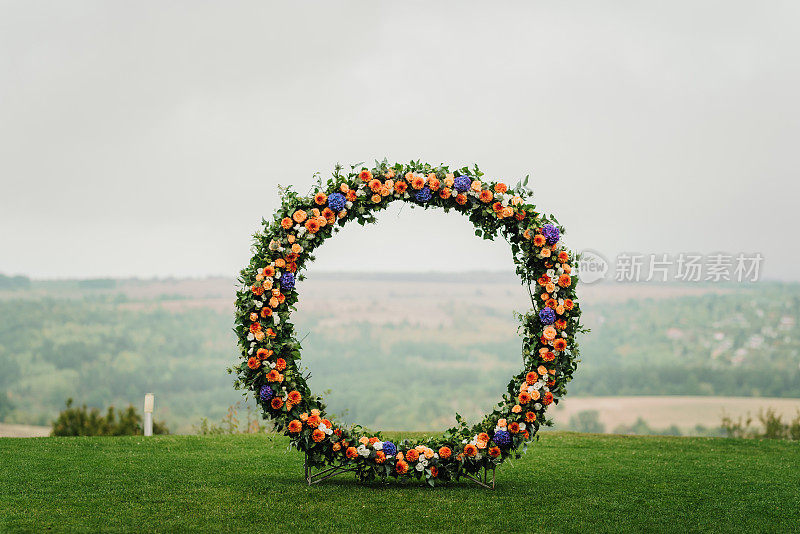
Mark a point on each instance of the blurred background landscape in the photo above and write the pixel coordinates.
(402, 351)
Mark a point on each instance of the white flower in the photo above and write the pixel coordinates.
(360, 193)
(537, 385)
(420, 467)
(276, 319)
(301, 231)
(348, 204)
(362, 450)
(378, 445)
(551, 273)
(522, 426)
(250, 337)
(277, 274)
(537, 406)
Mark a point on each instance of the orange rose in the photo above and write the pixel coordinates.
(445, 452)
(299, 216)
(500, 187)
(376, 198)
(295, 426)
(375, 185)
(344, 188)
(351, 452)
(380, 457)
(461, 198)
(549, 333)
(476, 185)
(485, 196)
(516, 409)
(449, 179)
(507, 212)
(318, 435)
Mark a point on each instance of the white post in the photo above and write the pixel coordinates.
(149, 400)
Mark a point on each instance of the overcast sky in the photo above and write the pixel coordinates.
(142, 139)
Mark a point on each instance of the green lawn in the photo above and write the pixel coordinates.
(565, 483)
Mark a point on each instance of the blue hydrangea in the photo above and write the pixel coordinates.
(266, 393)
(551, 234)
(502, 438)
(547, 316)
(336, 202)
(389, 448)
(287, 281)
(424, 194)
(462, 183)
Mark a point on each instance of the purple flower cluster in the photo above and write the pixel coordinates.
(547, 316)
(336, 202)
(502, 438)
(287, 281)
(551, 234)
(389, 448)
(424, 194)
(265, 394)
(462, 183)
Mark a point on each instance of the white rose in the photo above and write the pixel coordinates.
(378, 445)
(420, 467)
(250, 337)
(362, 450)
(276, 319)
(348, 204)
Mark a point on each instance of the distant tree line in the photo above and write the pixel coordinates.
(83, 421)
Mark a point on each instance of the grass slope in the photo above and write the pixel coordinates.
(565, 483)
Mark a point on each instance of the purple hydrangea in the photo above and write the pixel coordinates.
(551, 234)
(502, 438)
(547, 316)
(424, 194)
(265, 393)
(336, 202)
(389, 448)
(287, 281)
(462, 183)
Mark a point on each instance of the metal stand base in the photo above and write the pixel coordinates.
(325, 474)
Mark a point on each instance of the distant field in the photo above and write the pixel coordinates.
(661, 412)
(565, 483)
(23, 431)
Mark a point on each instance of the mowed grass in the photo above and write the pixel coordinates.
(565, 483)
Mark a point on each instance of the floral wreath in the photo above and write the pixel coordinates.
(271, 351)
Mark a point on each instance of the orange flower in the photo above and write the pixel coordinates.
(313, 420)
(470, 450)
(545, 252)
(400, 186)
(253, 363)
(513, 427)
(531, 377)
(494, 452)
(500, 187)
(449, 179)
(549, 333)
(563, 256)
(485, 196)
(336, 447)
(412, 455)
(312, 225)
(380, 457)
(434, 471)
(535, 395)
(520, 215)
(257, 290)
(527, 233)
(273, 302)
(344, 188)
(418, 182)
(483, 436)
(551, 303)
(560, 344)
(269, 271)
(548, 398)
(445, 193)
(286, 223)
(375, 185)
(461, 198)
(550, 287)
(365, 175)
(564, 280)
(294, 397)
(255, 327)
(530, 417)
(549, 356)
(524, 398)
(507, 211)
(389, 173)
(318, 435)
(376, 198)
(568, 304)
(542, 370)
(280, 364)
(516, 409)
(351, 452)
(271, 332)
(299, 216)
(329, 215)
(476, 185)
(263, 354)
(320, 198)
(351, 195)
(295, 426)
(539, 240)
(276, 403)
(445, 452)
(266, 312)
(297, 249)
(434, 183)
(273, 376)
(401, 467)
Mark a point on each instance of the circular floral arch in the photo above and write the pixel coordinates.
(271, 352)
